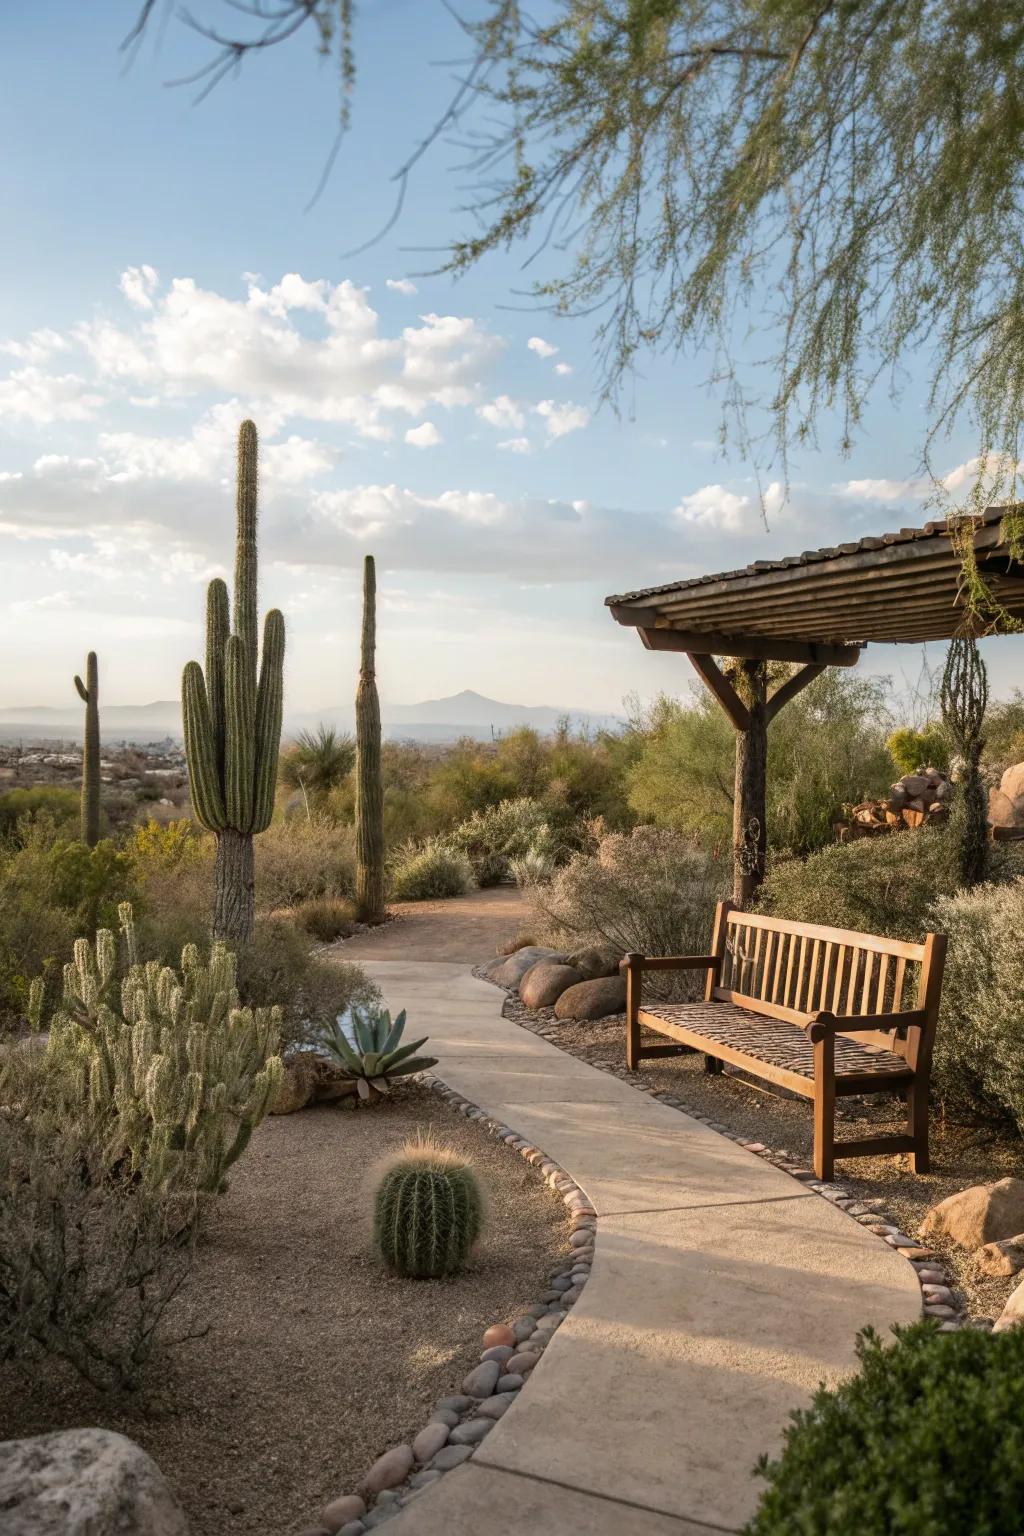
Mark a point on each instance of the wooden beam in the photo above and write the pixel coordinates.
(747, 647)
(789, 689)
(711, 673)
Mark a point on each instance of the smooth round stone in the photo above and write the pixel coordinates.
(353, 1528)
(551, 1296)
(550, 1320)
(572, 1295)
(523, 1328)
(472, 1432)
(450, 1456)
(378, 1516)
(341, 1512)
(444, 1416)
(499, 1334)
(561, 1283)
(457, 1403)
(537, 1310)
(494, 1407)
(499, 1352)
(388, 1496)
(523, 1363)
(429, 1441)
(580, 1238)
(390, 1469)
(509, 1383)
(938, 1309)
(480, 1381)
(425, 1478)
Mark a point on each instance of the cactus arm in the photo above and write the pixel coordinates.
(83, 692)
(218, 627)
(246, 623)
(269, 714)
(204, 779)
(240, 724)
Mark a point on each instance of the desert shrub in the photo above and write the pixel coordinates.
(23, 809)
(172, 873)
(428, 1211)
(494, 837)
(886, 884)
(298, 859)
(429, 871)
(911, 749)
(317, 762)
(280, 966)
(927, 1439)
(651, 890)
(36, 935)
(978, 1065)
(532, 868)
(326, 918)
(90, 883)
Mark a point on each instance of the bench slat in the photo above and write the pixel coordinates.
(851, 936)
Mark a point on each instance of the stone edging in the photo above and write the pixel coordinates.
(938, 1300)
(459, 1423)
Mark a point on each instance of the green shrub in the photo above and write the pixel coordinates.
(494, 837)
(651, 890)
(22, 810)
(926, 1440)
(428, 1212)
(280, 966)
(326, 918)
(90, 883)
(884, 884)
(978, 1065)
(299, 860)
(429, 871)
(35, 935)
(912, 749)
(533, 868)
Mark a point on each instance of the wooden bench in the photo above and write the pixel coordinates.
(817, 1010)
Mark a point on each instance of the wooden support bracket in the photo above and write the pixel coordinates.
(710, 672)
(789, 690)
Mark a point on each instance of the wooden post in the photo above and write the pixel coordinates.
(749, 808)
(633, 967)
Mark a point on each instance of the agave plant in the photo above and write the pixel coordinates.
(377, 1055)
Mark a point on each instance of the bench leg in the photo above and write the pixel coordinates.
(824, 1107)
(632, 1017)
(917, 1126)
(713, 1066)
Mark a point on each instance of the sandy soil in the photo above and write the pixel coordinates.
(462, 930)
(316, 1359)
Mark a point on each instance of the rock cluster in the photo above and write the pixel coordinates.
(511, 1351)
(989, 1219)
(584, 985)
(310, 1078)
(912, 800)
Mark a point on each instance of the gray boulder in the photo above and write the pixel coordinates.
(85, 1482)
(592, 963)
(594, 999)
(508, 971)
(545, 982)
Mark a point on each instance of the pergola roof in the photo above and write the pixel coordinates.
(826, 604)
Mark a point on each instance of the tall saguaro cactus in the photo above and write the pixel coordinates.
(369, 788)
(89, 693)
(232, 717)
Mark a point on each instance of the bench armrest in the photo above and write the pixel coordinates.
(670, 963)
(819, 1025)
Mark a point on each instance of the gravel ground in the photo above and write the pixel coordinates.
(961, 1155)
(316, 1359)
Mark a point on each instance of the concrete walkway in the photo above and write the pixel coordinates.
(722, 1292)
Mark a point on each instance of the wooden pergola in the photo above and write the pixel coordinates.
(817, 610)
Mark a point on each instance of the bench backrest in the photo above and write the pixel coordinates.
(788, 969)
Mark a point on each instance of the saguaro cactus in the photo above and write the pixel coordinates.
(89, 692)
(369, 788)
(232, 717)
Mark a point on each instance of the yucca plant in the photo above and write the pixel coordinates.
(377, 1055)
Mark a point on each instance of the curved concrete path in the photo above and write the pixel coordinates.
(722, 1292)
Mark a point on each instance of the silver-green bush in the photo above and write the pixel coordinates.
(429, 871)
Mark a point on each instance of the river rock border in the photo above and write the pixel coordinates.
(461, 1421)
(938, 1299)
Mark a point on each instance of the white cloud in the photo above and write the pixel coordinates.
(32, 395)
(401, 285)
(516, 444)
(541, 347)
(714, 506)
(138, 285)
(502, 412)
(49, 602)
(564, 369)
(561, 419)
(878, 490)
(39, 348)
(425, 435)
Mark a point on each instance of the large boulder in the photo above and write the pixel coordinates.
(1003, 1258)
(595, 962)
(1004, 812)
(594, 999)
(985, 1213)
(84, 1482)
(545, 982)
(509, 972)
(1012, 782)
(296, 1088)
(1012, 1314)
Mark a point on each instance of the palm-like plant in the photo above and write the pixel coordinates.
(377, 1055)
(317, 762)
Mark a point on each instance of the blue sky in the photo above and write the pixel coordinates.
(160, 277)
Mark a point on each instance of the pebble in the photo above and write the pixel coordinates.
(523, 1327)
(388, 1496)
(537, 1310)
(456, 1404)
(573, 1294)
(450, 1456)
(494, 1407)
(939, 1293)
(378, 1516)
(472, 1432)
(340, 1511)
(939, 1309)
(480, 1381)
(510, 1383)
(561, 1283)
(430, 1440)
(499, 1352)
(444, 1416)
(580, 1238)
(425, 1478)
(523, 1363)
(499, 1335)
(392, 1468)
(353, 1528)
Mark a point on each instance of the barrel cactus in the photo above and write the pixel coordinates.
(89, 693)
(369, 783)
(428, 1212)
(232, 717)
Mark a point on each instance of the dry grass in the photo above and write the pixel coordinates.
(316, 1359)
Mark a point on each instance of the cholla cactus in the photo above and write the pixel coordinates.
(378, 1055)
(184, 1074)
(232, 719)
(428, 1212)
(89, 693)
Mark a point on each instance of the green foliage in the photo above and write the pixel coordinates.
(89, 693)
(978, 1068)
(374, 1054)
(1004, 732)
(35, 934)
(429, 871)
(925, 1440)
(90, 883)
(912, 749)
(884, 884)
(45, 806)
(493, 838)
(428, 1212)
(369, 803)
(232, 715)
(316, 763)
(179, 1071)
(964, 701)
(280, 966)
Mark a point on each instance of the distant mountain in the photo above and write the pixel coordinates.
(436, 720)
